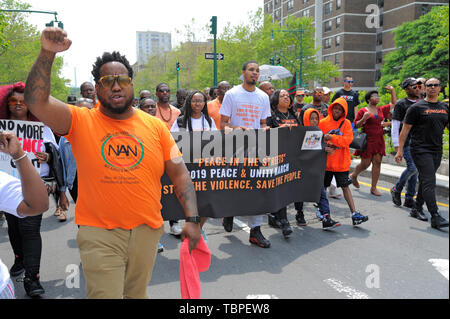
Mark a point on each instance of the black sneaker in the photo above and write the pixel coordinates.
(257, 238)
(33, 287)
(285, 228)
(419, 214)
(328, 223)
(273, 221)
(357, 218)
(396, 197)
(16, 269)
(438, 222)
(227, 223)
(409, 202)
(300, 218)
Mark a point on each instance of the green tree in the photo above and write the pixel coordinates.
(422, 49)
(24, 46)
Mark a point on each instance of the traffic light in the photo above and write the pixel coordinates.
(213, 25)
(278, 62)
(272, 61)
(178, 66)
(52, 24)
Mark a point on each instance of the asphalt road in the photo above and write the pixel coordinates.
(390, 256)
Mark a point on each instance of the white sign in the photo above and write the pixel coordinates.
(312, 140)
(31, 137)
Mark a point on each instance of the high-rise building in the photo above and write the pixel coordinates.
(150, 43)
(355, 35)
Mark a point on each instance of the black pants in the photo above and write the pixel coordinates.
(25, 237)
(427, 164)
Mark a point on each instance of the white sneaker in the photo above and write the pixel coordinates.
(175, 230)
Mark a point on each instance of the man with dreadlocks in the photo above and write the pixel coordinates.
(121, 154)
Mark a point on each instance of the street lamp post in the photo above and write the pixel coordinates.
(298, 71)
(50, 24)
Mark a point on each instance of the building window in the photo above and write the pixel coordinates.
(336, 59)
(277, 14)
(379, 38)
(327, 58)
(305, 1)
(276, 2)
(327, 43)
(338, 23)
(425, 9)
(290, 5)
(328, 25)
(380, 3)
(379, 57)
(338, 40)
(328, 8)
(338, 4)
(306, 13)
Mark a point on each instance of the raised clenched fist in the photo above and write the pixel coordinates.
(55, 40)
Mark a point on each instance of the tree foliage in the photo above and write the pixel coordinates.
(23, 48)
(422, 49)
(240, 43)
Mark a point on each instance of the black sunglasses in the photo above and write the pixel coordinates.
(164, 90)
(436, 85)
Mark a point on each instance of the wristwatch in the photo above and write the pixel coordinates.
(193, 219)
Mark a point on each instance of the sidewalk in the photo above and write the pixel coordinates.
(391, 173)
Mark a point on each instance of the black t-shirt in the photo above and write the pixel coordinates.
(279, 118)
(428, 121)
(297, 107)
(399, 113)
(322, 109)
(352, 98)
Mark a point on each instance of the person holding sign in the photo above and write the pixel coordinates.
(121, 154)
(22, 197)
(247, 107)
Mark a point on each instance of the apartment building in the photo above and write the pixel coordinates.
(151, 42)
(355, 35)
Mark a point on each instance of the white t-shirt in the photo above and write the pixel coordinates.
(200, 124)
(10, 194)
(246, 108)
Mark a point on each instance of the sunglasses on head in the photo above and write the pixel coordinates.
(436, 85)
(107, 81)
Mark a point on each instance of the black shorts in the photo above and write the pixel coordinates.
(342, 179)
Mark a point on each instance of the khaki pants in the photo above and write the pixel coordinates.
(118, 263)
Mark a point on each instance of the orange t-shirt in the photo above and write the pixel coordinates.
(120, 164)
(213, 111)
(166, 115)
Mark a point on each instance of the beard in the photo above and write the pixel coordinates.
(117, 110)
(250, 82)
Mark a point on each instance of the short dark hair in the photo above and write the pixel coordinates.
(369, 95)
(244, 67)
(110, 57)
(348, 76)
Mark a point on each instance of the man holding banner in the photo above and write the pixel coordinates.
(247, 107)
(120, 152)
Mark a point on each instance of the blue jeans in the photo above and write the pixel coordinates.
(324, 205)
(409, 175)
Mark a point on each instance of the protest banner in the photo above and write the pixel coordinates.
(248, 172)
(31, 137)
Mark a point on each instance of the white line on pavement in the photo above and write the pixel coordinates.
(349, 291)
(242, 225)
(441, 265)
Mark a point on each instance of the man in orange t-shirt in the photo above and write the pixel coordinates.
(121, 154)
(214, 105)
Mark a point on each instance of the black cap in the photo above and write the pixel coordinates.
(407, 82)
(72, 99)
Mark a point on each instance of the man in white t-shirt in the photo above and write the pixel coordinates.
(21, 198)
(247, 107)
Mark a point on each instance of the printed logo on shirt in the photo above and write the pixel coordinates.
(122, 151)
(435, 112)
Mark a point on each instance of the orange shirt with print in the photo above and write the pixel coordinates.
(119, 164)
(213, 111)
(168, 116)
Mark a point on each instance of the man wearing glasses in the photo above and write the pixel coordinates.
(425, 122)
(121, 154)
(409, 175)
(164, 110)
(351, 96)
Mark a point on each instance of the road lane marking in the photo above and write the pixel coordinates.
(403, 194)
(350, 292)
(441, 265)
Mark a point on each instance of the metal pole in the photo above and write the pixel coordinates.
(215, 59)
(301, 59)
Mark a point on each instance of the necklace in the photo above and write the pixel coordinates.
(286, 117)
(162, 117)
